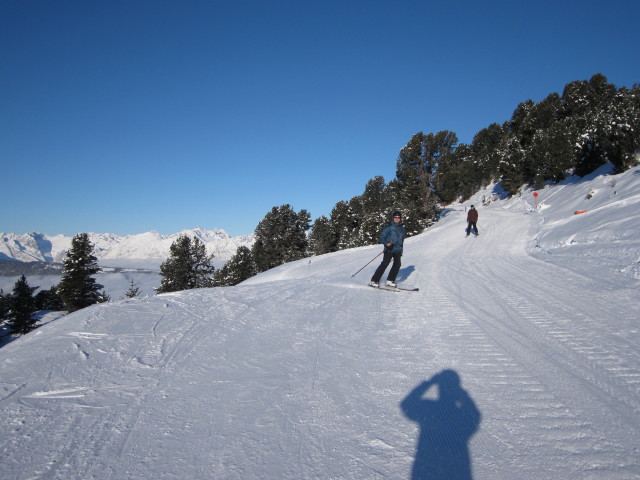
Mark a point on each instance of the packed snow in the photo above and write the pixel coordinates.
(517, 359)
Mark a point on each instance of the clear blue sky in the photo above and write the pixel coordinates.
(137, 115)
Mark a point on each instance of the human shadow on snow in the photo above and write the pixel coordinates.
(446, 425)
(404, 273)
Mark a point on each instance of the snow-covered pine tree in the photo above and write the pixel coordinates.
(281, 237)
(77, 288)
(203, 270)
(512, 166)
(188, 266)
(237, 269)
(374, 203)
(622, 128)
(22, 308)
(345, 223)
(487, 150)
(416, 172)
(322, 238)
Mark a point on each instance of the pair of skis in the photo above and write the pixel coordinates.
(395, 289)
(384, 287)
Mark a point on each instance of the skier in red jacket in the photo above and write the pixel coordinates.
(472, 219)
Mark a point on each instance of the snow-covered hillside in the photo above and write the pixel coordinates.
(517, 359)
(144, 250)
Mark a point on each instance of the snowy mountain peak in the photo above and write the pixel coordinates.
(149, 248)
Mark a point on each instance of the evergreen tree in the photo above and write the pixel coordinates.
(188, 266)
(322, 238)
(459, 175)
(587, 104)
(488, 149)
(281, 237)
(133, 291)
(176, 271)
(520, 126)
(552, 153)
(345, 223)
(202, 269)
(511, 168)
(49, 300)
(522, 129)
(622, 129)
(591, 152)
(600, 92)
(543, 115)
(22, 307)
(77, 288)
(4, 305)
(239, 268)
(374, 198)
(354, 223)
(416, 172)
(374, 205)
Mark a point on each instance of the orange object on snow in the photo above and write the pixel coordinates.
(578, 212)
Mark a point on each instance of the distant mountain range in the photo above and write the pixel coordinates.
(144, 250)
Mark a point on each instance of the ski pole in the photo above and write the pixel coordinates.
(367, 264)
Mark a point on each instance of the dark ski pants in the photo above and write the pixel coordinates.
(395, 268)
(472, 225)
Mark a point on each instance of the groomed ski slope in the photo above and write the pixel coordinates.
(306, 373)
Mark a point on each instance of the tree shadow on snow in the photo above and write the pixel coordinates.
(447, 422)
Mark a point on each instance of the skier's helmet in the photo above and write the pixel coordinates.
(396, 214)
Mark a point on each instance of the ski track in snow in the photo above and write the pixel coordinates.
(303, 372)
(549, 358)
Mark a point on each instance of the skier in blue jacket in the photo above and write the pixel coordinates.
(392, 237)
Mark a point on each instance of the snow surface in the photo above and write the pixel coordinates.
(518, 359)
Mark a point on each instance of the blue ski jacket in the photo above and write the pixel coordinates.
(395, 234)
